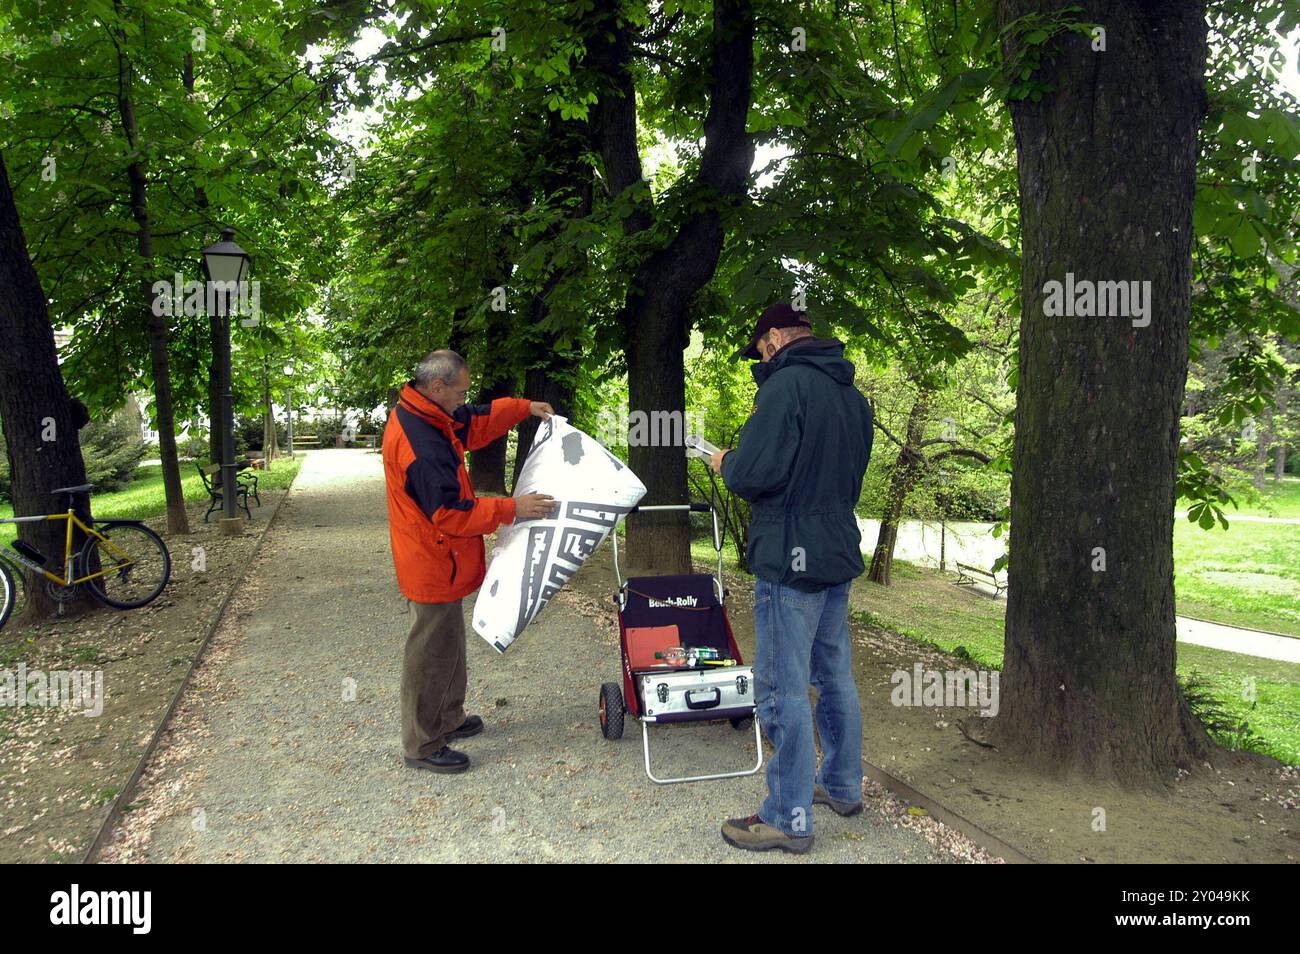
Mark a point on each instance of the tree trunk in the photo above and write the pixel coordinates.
(567, 177)
(270, 444)
(907, 471)
(1264, 440)
(487, 465)
(38, 416)
(544, 383)
(656, 313)
(1107, 170)
(1279, 460)
(177, 522)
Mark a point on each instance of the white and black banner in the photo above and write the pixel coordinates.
(534, 558)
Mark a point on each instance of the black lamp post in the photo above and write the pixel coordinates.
(226, 266)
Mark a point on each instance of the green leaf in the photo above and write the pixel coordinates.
(1244, 239)
(935, 105)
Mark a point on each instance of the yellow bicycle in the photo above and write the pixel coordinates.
(123, 563)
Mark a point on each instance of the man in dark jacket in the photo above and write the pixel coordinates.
(800, 462)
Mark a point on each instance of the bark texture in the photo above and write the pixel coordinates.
(1107, 170)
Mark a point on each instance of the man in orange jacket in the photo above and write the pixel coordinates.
(436, 526)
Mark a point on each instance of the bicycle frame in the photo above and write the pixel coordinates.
(68, 556)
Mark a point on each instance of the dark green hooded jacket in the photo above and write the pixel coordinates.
(799, 462)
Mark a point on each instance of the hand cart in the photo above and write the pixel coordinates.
(662, 619)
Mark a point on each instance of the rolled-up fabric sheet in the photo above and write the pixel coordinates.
(534, 558)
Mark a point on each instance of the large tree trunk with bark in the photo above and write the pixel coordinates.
(656, 314)
(39, 418)
(1107, 169)
(177, 522)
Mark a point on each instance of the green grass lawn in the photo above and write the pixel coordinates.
(1247, 575)
(924, 605)
(144, 498)
(1278, 499)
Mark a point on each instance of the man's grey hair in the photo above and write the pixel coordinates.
(444, 366)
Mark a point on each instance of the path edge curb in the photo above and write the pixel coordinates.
(947, 817)
(1244, 629)
(128, 790)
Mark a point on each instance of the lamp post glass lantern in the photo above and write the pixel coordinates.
(226, 266)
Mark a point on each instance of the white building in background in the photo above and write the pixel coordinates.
(142, 400)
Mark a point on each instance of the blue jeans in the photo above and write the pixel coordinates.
(801, 639)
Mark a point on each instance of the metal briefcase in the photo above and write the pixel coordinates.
(720, 692)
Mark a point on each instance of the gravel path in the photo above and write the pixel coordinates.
(283, 768)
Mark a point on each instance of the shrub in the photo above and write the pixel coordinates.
(112, 449)
(248, 433)
(194, 445)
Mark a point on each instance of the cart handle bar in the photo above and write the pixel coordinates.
(694, 508)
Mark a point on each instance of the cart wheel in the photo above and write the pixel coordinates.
(611, 710)
(742, 722)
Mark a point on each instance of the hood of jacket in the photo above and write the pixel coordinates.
(824, 354)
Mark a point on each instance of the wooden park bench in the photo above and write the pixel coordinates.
(968, 575)
(305, 441)
(246, 483)
(357, 440)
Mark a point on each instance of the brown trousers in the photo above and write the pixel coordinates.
(433, 677)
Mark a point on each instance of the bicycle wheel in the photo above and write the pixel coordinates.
(135, 564)
(20, 595)
(8, 593)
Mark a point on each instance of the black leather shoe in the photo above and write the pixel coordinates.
(472, 725)
(445, 760)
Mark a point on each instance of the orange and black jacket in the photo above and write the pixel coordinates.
(435, 522)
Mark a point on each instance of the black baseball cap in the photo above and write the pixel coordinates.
(780, 315)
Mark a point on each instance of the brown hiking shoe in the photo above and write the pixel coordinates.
(839, 808)
(754, 834)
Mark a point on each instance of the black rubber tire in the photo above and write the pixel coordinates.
(8, 593)
(742, 722)
(20, 593)
(95, 586)
(611, 710)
